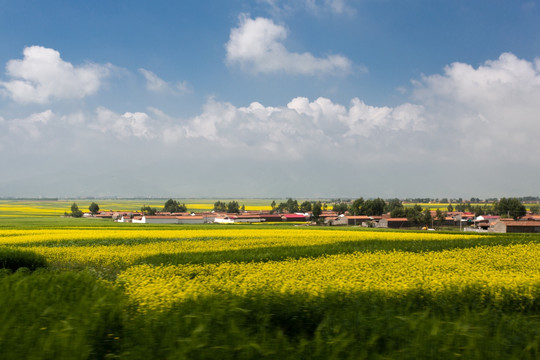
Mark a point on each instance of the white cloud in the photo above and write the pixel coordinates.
(297, 128)
(463, 112)
(333, 6)
(363, 119)
(42, 76)
(155, 83)
(123, 126)
(280, 8)
(492, 109)
(257, 46)
(29, 127)
(338, 6)
(74, 118)
(476, 120)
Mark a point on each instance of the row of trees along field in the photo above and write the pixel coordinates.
(505, 207)
(416, 215)
(232, 207)
(292, 206)
(170, 206)
(76, 212)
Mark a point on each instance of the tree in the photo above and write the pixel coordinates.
(510, 207)
(440, 217)
(273, 205)
(233, 207)
(290, 206)
(535, 209)
(373, 207)
(220, 206)
(427, 219)
(393, 204)
(174, 206)
(356, 207)
(317, 210)
(450, 208)
(398, 212)
(305, 206)
(340, 208)
(94, 208)
(147, 210)
(75, 212)
(414, 215)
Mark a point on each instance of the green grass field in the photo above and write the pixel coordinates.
(79, 306)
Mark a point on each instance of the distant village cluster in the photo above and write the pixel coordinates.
(499, 216)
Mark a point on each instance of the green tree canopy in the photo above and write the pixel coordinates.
(147, 210)
(414, 215)
(305, 206)
(398, 212)
(233, 207)
(290, 206)
(75, 212)
(373, 207)
(340, 208)
(427, 219)
(174, 206)
(220, 206)
(510, 207)
(94, 208)
(440, 217)
(317, 210)
(356, 206)
(393, 204)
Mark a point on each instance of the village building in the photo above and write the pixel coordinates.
(393, 223)
(271, 217)
(294, 217)
(191, 219)
(513, 226)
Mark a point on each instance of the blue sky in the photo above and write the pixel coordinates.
(304, 98)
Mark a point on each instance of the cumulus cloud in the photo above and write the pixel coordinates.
(29, 127)
(257, 46)
(156, 84)
(299, 127)
(474, 120)
(127, 125)
(465, 111)
(42, 76)
(363, 119)
(489, 109)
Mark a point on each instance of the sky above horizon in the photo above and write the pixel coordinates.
(270, 98)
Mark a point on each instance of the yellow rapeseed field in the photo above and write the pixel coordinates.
(498, 269)
(115, 247)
